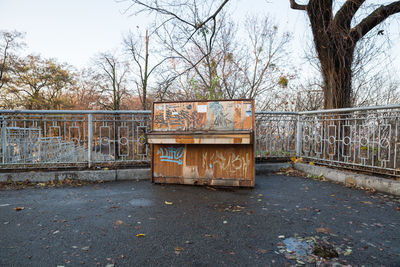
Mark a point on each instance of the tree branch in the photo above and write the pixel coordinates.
(373, 19)
(198, 26)
(294, 5)
(163, 11)
(346, 12)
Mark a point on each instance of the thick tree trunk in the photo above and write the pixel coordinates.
(337, 76)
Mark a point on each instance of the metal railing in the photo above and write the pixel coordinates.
(366, 139)
(360, 138)
(276, 134)
(54, 139)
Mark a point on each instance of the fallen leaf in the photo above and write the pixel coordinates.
(140, 235)
(397, 208)
(367, 202)
(347, 252)
(311, 163)
(178, 249)
(323, 230)
(261, 251)
(332, 195)
(19, 208)
(168, 203)
(118, 222)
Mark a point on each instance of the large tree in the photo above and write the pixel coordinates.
(37, 83)
(335, 39)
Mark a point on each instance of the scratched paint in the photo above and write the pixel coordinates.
(171, 154)
(226, 162)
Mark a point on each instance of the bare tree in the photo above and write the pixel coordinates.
(179, 26)
(139, 49)
(194, 15)
(263, 61)
(335, 39)
(10, 42)
(111, 76)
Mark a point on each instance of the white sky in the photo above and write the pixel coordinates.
(74, 30)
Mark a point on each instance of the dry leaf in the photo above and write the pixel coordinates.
(347, 252)
(311, 163)
(140, 235)
(168, 203)
(323, 230)
(367, 202)
(19, 208)
(178, 249)
(118, 222)
(261, 251)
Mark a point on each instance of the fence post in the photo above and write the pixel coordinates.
(4, 139)
(90, 139)
(298, 136)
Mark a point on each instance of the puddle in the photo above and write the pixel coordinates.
(313, 249)
(301, 249)
(140, 202)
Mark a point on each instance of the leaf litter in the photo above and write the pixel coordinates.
(313, 249)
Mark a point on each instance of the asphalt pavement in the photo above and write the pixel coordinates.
(283, 221)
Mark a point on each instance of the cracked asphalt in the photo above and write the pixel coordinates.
(142, 224)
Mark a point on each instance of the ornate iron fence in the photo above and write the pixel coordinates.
(276, 134)
(359, 138)
(54, 139)
(366, 139)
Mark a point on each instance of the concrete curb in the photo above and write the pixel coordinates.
(345, 177)
(350, 178)
(106, 175)
(87, 175)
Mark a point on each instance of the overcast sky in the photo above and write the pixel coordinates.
(74, 30)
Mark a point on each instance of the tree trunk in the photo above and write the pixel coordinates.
(336, 58)
(336, 73)
(145, 78)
